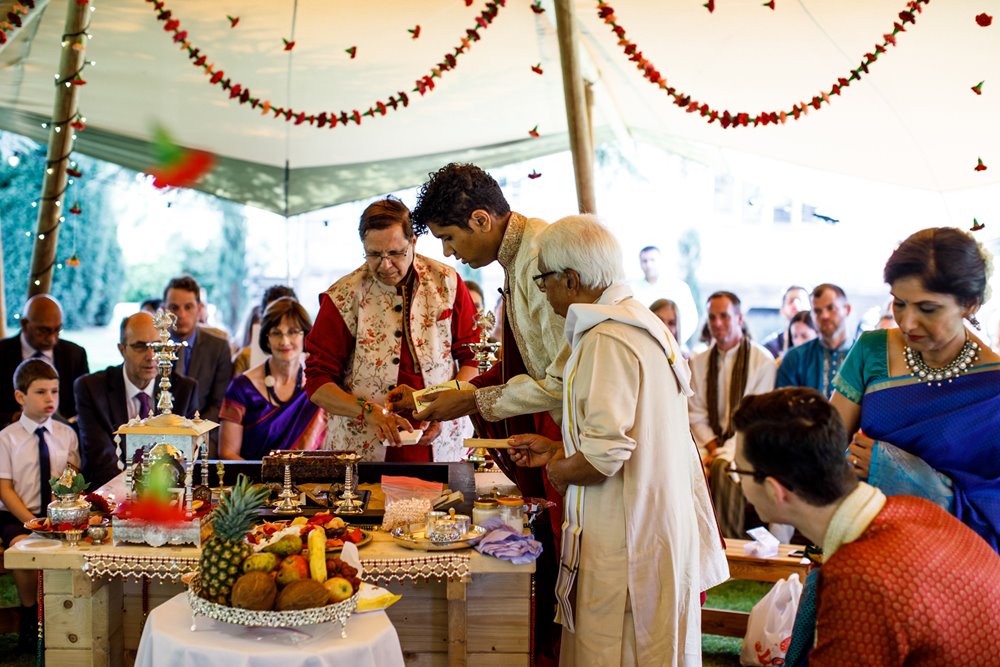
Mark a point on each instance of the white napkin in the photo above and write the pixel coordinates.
(371, 598)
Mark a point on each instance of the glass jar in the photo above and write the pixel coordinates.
(484, 508)
(512, 513)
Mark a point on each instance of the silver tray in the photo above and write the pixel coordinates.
(339, 611)
(418, 540)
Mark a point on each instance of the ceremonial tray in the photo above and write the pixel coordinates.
(339, 611)
(418, 540)
(35, 527)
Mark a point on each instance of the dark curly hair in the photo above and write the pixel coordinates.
(452, 193)
(946, 260)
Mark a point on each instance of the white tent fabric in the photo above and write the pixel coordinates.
(912, 121)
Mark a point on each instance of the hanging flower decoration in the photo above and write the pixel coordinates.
(14, 18)
(414, 31)
(984, 20)
(976, 225)
(352, 51)
(289, 44)
(75, 209)
(73, 261)
(177, 166)
(710, 6)
(534, 174)
(536, 6)
(734, 119)
(978, 88)
(770, 5)
(331, 119)
(979, 165)
(233, 20)
(537, 69)
(533, 132)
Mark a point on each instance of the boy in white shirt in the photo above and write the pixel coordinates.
(33, 450)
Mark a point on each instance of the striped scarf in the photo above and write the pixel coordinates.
(736, 388)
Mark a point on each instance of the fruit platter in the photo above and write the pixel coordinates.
(248, 577)
(284, 537)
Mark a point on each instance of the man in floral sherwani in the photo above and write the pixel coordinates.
(401, 318)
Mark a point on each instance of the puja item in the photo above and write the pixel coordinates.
(407, 500)
(511, 512)
(446, 527)
(483, 508)
(419, 540)
(288, 499)
(484, 353)
(69, 509)
(349, 503)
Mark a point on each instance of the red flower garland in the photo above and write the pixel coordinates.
(243, 94)
(741, 118)
(14, 18)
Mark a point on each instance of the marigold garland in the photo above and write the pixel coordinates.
(243, 94)
(741, 118)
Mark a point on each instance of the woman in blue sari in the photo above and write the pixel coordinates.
(923, 400)
(267, 408)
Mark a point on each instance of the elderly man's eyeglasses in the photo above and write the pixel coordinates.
(392, 255)
(141, 347)
(47, 331)
(539, 279)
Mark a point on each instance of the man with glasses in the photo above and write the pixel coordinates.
(41, 324)
(400, 318)
(903, 582)
(109, 398)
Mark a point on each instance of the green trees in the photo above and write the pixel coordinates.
(89, 291)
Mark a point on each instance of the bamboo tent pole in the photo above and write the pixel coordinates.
(3, 301)
(64, 110)
(577, 114)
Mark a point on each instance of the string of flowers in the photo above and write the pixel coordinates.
(244, 95)
(14, 18)
(742, 118)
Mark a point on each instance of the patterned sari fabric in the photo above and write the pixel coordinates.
(932, 437)
(298, 424)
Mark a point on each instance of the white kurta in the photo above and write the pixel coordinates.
(644, 543)
(760, 380)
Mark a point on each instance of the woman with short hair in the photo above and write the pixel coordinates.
(926, 395)
(267, 408)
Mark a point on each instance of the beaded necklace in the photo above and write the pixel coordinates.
(957, 366)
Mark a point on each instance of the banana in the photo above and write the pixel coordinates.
(317, 554)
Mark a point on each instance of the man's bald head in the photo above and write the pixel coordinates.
(137, 332)
(41, 322)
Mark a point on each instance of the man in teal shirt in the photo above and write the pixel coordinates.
(815, 364)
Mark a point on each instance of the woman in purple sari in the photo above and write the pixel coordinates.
(267, 408)
(923, 400)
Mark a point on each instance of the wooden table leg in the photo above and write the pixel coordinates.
(83, 620)
(457, 623)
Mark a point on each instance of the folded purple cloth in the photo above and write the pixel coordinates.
(505, 543)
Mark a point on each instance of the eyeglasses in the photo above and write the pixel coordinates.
(277, 334)
(141, 347)
(539, 279)
(392, 255)
(758, 475)
(734, 472)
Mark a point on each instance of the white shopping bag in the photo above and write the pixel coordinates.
(769, 629)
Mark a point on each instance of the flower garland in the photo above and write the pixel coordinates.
(14, 18)
(741, 118)
(241, 92)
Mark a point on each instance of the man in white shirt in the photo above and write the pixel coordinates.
(655, 286)
(109, 398)
(733, 367)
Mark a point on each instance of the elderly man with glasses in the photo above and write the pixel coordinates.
(109, 398)
(639, 541)
(400, 318)
(41, 324)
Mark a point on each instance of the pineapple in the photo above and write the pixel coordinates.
(223, 553)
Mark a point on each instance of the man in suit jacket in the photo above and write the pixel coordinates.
(206, 358)
(41, 324)
(109, 398)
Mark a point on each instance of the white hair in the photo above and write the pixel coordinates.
(582, 243)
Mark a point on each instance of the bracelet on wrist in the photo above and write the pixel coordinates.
(367, 407)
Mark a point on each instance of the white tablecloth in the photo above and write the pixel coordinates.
(167, 641)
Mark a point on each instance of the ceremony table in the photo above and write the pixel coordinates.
(168, 640)
(457, 607)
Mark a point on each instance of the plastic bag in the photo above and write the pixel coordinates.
(769, 628)
(407, 500)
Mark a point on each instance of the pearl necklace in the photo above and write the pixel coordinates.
(960, 364)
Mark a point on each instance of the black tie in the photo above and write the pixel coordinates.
(38, 354)
(44, 471)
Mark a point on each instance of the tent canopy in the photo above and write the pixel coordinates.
(913, 120)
